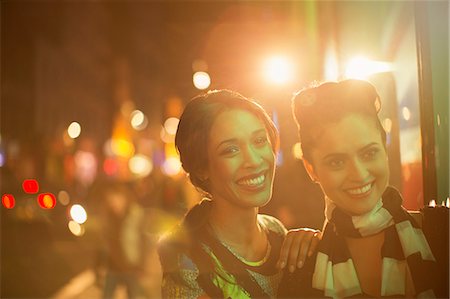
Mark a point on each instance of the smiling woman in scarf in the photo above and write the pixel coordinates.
(371, 246)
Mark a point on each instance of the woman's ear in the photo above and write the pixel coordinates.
(310, 170)
(203, 175)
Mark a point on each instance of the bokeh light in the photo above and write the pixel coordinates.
(63, 197)
(8, 201)
(110, 166)
(75, 228)
(406, 113)
(171, 166)
(122, 148)
(201, 80)
(78, 214)
(30, 186)
(138, 120)
(47, 200)
(199, 65)
(278, 70)
(74, 130)
(166, 137)
(2, 159)
(85, 166)
(171, 125)
(140, 165)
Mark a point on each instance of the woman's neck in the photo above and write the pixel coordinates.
(239, 229)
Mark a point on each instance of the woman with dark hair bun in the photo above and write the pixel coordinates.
(371, 246)
(223, 248)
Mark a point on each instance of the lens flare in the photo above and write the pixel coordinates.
(278, 70)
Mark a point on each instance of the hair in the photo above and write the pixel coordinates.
(329, 102)
(192, 135)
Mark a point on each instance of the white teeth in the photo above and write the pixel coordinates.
(358, 191)
(253, 182)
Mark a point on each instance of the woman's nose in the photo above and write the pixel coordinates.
(358, 170)
(251, 157)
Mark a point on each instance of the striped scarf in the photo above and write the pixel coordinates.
(405, 247)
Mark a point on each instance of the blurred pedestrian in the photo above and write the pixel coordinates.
(122, 256)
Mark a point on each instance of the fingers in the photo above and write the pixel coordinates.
(297, 246)
(285, 248)
(297, 251)
(314, 242)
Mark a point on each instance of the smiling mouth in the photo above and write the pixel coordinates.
(360, 191)
(253, 183)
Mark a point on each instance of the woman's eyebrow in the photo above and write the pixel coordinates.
(226, 141)
(367, 146)
(231, 140)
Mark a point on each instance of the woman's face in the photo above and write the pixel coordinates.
(350, 162)
(241, 160)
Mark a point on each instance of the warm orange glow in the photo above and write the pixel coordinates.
(47, 200)
(122, 148)
(8, 201)
(278, 70)
(30, 186)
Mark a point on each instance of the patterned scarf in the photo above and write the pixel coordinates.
(405, 247)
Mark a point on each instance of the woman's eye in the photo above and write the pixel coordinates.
(261, 140)
(230, 150)
(370, 154)
(335, 163)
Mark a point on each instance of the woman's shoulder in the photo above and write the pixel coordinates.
(272, 224)
(171, 247)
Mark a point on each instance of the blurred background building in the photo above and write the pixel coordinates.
(91, 92)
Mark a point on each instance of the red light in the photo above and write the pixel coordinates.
(8, 201)
(110, 167)
(47, 200)
(30, 186)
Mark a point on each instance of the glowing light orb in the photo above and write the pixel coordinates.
(74, 130)
(138, 120)
(8, 201)
(78, 214)
(140, 165)
(122, 148)
(76, 228)
(406, 113)
(110, 166)
(63, 197)
(201, 80)
(47, 200)
(166, 137)
(30, 186)
(171, 125)
(278, 70)
(172, 166)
